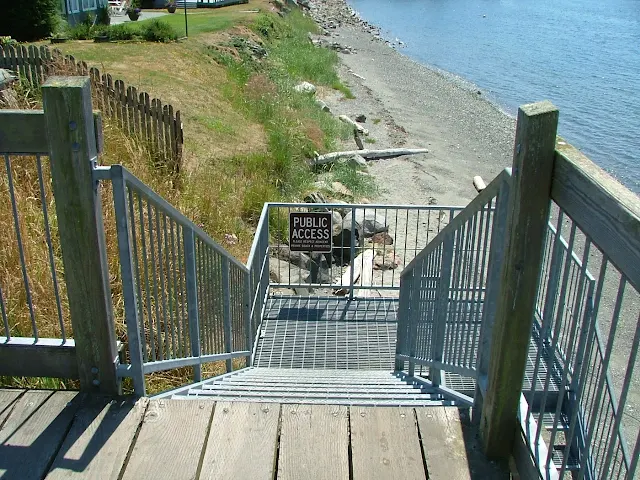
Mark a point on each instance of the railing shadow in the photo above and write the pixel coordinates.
(69, 440)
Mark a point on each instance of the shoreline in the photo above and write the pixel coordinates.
(412, 105)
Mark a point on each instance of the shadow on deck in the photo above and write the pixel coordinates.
(64, 435)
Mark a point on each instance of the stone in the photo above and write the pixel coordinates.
(341, 189)
(305, 87)
(300, 259)
(230, 238)
(371, 222)
(319, 272)
(7, 78)
(386, 261)
(286, 273)
(336, 223)
(361, 118)
(342, 241)
(315, 197)
(382, 238)
(323, 106)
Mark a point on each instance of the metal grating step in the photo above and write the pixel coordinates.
(558, 455)
(423, 402)
(303, 390)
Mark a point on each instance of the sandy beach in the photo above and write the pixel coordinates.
(410, 105)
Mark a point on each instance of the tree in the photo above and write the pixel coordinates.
(29, 20)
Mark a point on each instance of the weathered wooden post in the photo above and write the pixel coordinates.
(527, 218)
(69, 126)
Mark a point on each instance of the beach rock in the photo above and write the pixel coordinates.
(299, 259)
(286, 273)
(342, 241)
(315, 197)
(323, 106)
(319, 271)
(230, 238)
(342, 211)
(371, 222)
(382, 238)
(341, 189)
(386, 261)
(361, 118)
(305, 87)
(336, 223)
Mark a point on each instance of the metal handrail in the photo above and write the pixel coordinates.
(448, 290)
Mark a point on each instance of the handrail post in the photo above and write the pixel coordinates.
(70, 131)
(226, 312)
(527, 220)
(192, 299)
(442, 307)
(132, 319)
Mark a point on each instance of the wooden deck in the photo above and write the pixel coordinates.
(65, 435)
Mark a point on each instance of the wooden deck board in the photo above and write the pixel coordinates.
(242, 442)
(33, 433)
(64, 435)
(385, 444)
(99, 440)
(443, 443)
(7, 399)
(170, 440)
(451, 447)
(314, 443)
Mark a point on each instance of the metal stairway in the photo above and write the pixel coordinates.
(305, 386)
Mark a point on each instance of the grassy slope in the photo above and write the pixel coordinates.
(246, 131)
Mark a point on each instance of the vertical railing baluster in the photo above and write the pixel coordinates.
(192, 298)
(47, 233)
(23, 263)
(127, 271)
(442, 306)
(226, 292)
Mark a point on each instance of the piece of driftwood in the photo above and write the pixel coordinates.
(478, 183)
(368, 154)
(362, 260)
(354, 124)
(366, 274)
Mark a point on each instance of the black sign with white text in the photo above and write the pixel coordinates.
(310, 232)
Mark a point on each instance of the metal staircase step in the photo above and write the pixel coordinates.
(320, 384)
(304, 389)
(422, 402)
(573, 464)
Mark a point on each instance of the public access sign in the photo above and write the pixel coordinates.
(310, 232)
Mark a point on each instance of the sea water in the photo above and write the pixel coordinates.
(583, 55)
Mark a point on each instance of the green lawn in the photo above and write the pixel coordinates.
(198, 22)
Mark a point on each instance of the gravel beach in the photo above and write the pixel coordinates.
(409, 105)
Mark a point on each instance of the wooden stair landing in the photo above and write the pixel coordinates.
(65, 435)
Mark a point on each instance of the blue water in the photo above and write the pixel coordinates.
(583, 55)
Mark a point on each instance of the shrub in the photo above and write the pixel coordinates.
(29, 20)
(121, 32)
(157, 31)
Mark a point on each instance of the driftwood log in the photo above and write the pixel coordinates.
(368, 154)
(365, 259)
(354, 124)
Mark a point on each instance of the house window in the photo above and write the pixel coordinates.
(74, 6)
(88, 5)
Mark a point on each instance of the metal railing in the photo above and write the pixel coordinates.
(446, 303)
(186, 298)
(33, 303)
(587, 332)
(365, 258)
